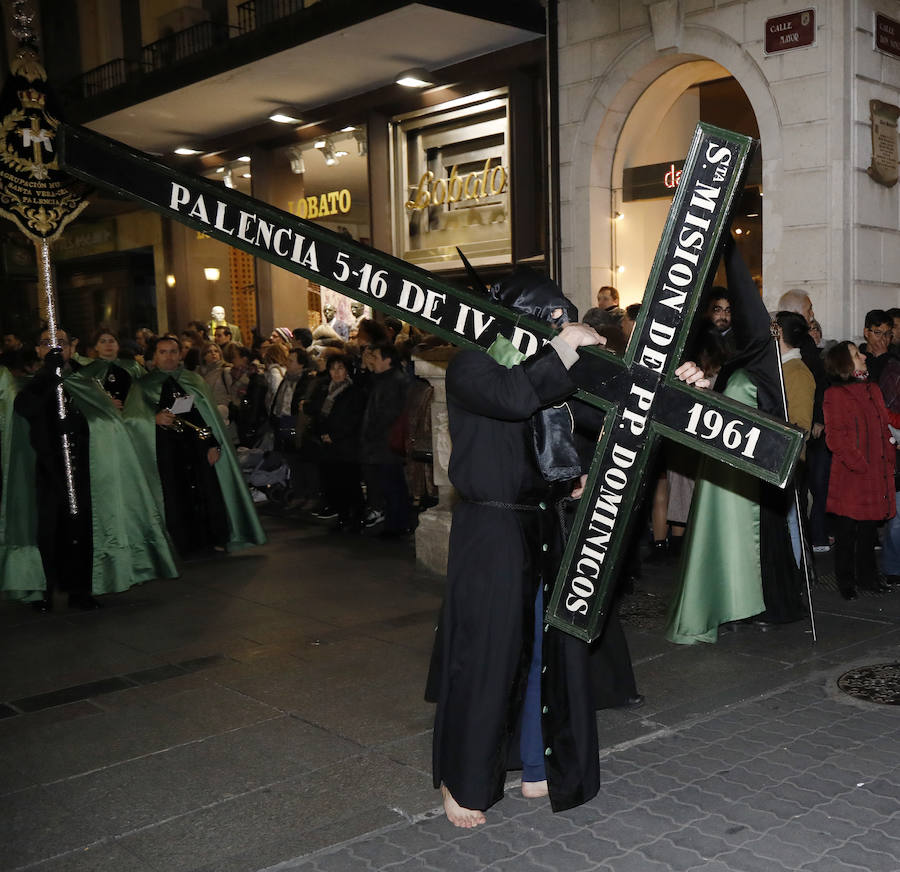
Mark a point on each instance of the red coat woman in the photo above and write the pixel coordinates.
(861, 486)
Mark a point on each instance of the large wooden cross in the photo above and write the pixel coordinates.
(640, 395)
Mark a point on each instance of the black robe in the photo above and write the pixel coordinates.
(196, 517)
(64, 540)
(497, 559)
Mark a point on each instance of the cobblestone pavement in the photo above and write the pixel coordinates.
(265, 712)
(802, 779)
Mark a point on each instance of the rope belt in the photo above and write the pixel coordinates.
(496, 504)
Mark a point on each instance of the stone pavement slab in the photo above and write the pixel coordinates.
(271, 718)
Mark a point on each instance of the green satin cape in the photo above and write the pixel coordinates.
(244, 528)
(720, 573)
(98, 368)
(21, 570)
(131, 544)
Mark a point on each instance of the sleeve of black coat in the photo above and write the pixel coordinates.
(484, 387)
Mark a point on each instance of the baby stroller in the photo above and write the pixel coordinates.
(267, 474)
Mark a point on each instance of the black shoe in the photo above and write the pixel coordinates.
(635, 701)
(394, 534)
(83, 601)
(45, 606)
(659, 550)
(763, 626)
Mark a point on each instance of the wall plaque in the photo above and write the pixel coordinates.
(883, 168)
(887, 35)
(796, 30)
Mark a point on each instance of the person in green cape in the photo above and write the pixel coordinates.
(115, 537)
(21, 570)
(114, 374)
(192, 467)
(738, 563)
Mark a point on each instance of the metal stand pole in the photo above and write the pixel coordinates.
(804, 561)
(45, 277)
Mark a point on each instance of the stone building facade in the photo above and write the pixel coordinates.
(826, 225)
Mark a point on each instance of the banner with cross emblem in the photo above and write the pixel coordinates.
(640, 395)
(34, 194)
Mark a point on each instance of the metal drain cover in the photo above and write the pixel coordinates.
(879, 683)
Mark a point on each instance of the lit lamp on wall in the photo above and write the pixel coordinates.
(212, 274)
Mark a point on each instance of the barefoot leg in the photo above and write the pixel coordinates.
(457, 815)
(534, 789)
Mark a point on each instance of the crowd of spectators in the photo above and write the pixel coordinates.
(843, 395)
(302, 420)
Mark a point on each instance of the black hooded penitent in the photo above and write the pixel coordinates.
(529, 292)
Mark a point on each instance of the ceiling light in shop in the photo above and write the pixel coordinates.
(244, 158)
(187, 151)
(245, 175)
(329, 154)
(285, 115)
(620, 269)
(349, 129)
(416, 78)
(220, 169)
(341, 153)
(320, 143)
(298, 165)
(228, 178)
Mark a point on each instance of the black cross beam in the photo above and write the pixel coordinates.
(640, 396)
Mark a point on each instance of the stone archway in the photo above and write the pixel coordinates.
(594, 137)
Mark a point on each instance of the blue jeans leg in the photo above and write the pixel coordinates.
(890, 545)
(531, 743)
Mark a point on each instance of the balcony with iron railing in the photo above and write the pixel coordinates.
(257, 13)
(181, 46)
(257, 29)
(103, 78)
(178, 46)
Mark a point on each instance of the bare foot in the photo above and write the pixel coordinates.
(457, 815)
(534, 789)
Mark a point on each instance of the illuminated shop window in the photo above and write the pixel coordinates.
(452, 179)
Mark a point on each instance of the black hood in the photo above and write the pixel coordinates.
(534, 294)
(528, 292)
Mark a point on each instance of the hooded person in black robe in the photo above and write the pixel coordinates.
(64, 537)
(513, 458)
